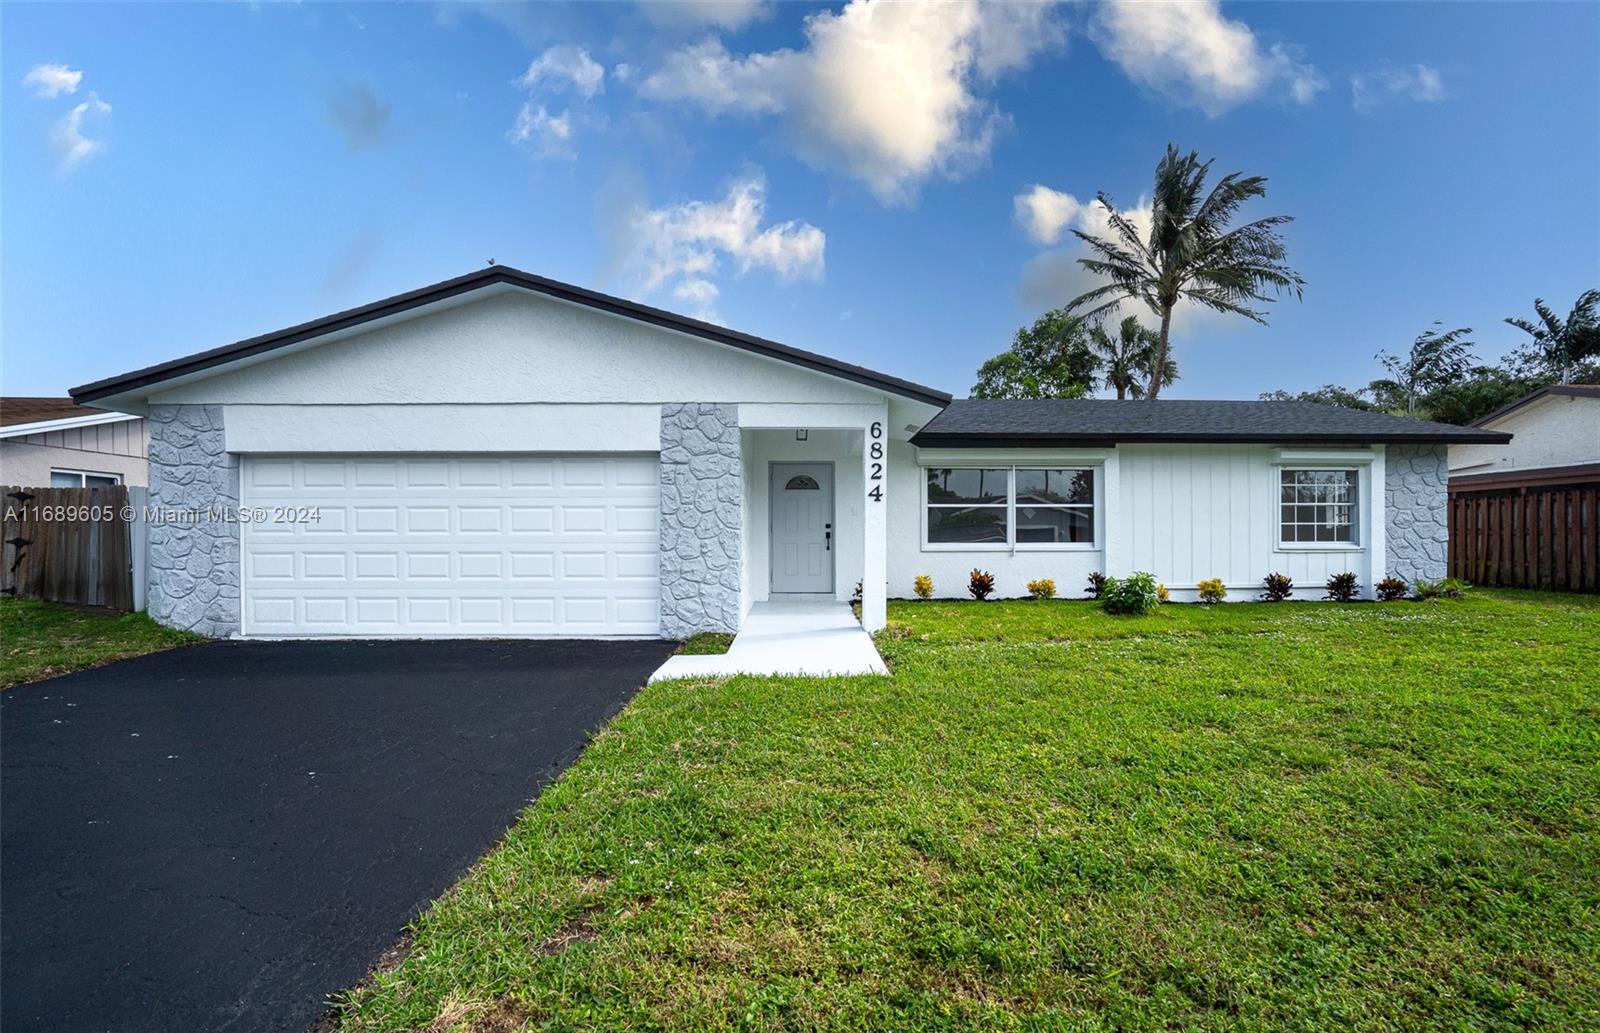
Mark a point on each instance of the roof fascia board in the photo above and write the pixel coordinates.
(17, 430)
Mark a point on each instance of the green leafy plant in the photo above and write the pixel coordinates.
(1136, 594)
(1096, 584)
(922, 584)
(1443, 588)
(980, 584)
(1043, 588)
(1212, 590)
(1343, 588)
(1392, 588)
(1276, 587)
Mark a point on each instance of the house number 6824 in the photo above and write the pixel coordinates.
(875, 453)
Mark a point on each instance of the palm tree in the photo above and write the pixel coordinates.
(1437, 358)
(1128, 359)
(1558, 345)
(1190, 253)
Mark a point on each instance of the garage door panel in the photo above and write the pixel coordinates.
(441, 546)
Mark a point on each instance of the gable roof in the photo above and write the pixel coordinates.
(1570, 390)
(487, 277)
(1100, 422)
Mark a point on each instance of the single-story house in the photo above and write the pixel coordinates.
(1557, 436)
(503, 454)
(56, 443)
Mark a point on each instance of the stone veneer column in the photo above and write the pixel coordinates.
(1416, 482)
(193, 559)
(702, 484)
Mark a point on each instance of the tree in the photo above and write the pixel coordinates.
(1559, 347)
(1483, 390)
(1127, 361)
(1050, 359)
(1190, 253)
(1436, 358)
(1327, 394)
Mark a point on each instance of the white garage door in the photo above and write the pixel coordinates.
(452, 546)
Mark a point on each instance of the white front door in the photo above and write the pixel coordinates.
(802, 527)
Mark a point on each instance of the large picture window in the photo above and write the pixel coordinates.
(1318, 507)
(1010, 507)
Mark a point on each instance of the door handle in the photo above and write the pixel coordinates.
(827, 537)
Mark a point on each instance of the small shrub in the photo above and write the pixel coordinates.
(1044, 588)
(1135, 594)
(980, 584)
(923, 586)
(1097, 584)
(1444, 588)
(1392, 588)
(1343, 588)
(1277, 587)
(1212, 590)
(1162, 595)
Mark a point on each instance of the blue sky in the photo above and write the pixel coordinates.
(840, 178)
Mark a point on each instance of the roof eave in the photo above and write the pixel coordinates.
(447, 289)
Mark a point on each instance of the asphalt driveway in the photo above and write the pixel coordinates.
(218, 837)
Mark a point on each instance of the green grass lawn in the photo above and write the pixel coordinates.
(1287, 817)
(41, 640)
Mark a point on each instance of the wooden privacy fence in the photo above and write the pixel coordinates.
(68, 545)
(1527, 535)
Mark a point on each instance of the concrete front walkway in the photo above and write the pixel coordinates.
(791, 638)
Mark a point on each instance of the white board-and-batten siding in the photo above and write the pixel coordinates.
(1191, 512)
(1183, 512)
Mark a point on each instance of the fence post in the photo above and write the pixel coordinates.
(138, 544)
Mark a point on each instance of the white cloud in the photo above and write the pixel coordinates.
(51, 81)
(1416, 82)
(563, 66)
(1044, 214)
(1191, 53)
(883, 92)
(549, 136)
(722, 14)
(67, 134)
(683, 245)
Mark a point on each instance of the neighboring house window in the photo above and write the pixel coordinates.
(83, 479)
(1010, 507)
(1318, 507)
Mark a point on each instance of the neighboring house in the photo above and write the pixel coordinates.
(1555, 427)
(503, 454)
(56, 443)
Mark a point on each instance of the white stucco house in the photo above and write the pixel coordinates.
(1555, 427)
(503, 454)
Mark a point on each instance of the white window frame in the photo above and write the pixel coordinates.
(1358, 503)
(83, 474)
(1011, 545)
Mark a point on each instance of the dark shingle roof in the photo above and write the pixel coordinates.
(1093, 421)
